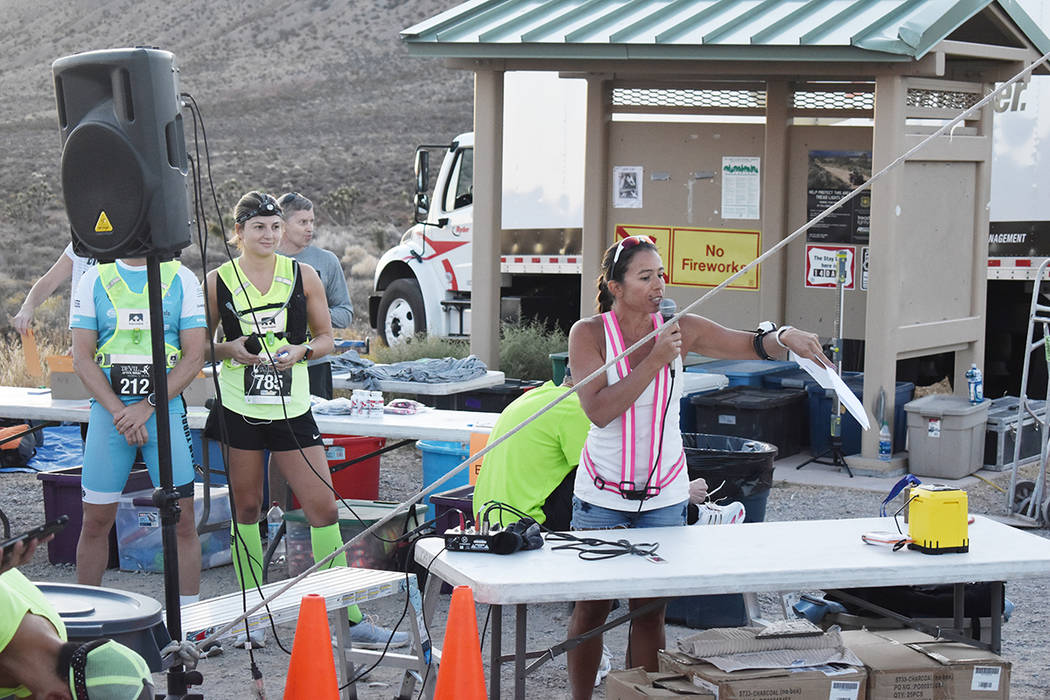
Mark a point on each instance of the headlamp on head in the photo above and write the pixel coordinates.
(267, 207)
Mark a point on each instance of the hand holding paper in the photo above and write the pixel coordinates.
(828, 378)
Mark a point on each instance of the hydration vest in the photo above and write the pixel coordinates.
(277, 318)
(128, 354)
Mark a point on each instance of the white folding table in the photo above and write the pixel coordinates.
(754, 557)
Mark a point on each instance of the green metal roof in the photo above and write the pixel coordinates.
(817, 30)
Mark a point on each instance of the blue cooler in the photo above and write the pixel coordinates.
(439, 458)
(743, 372)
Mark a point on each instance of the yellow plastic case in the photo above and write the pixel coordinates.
(937, 519)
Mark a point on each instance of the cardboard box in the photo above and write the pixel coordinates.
(65, 384)
(832, 683)
(636, 684)
(909, 664)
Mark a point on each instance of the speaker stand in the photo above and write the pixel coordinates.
(165, 498)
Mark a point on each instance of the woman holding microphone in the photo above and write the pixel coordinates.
(632, 469)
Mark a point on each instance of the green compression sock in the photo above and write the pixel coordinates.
(247, 547)
(324, 541)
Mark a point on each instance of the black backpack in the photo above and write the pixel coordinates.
(16, 452)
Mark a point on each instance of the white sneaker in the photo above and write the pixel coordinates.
(604, 667)
(715, 514)
(256, 638)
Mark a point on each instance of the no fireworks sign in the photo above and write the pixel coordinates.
(822, 266)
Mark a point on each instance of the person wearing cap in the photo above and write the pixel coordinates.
(296, 243)
(113, 356)
(37, 661)
(274, 318)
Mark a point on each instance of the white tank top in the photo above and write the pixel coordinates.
(626, 449)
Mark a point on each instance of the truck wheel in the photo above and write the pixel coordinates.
(401, 313)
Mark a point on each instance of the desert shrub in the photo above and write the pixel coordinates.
(524, 350)
(13, 372)
(30, 204)
(422, 346)
(339, 204)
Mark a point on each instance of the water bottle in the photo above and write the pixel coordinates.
(274, 517)
(885, 443)
(975, 383)
(376, 405)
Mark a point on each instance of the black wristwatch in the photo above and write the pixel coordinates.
(763, 329)
(151, 399)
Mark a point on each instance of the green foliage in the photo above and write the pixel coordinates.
(339, 204)
(421, 347)
(525, 349)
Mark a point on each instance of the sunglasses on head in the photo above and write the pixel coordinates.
(289, 197)
(267, 207)
(630, 242)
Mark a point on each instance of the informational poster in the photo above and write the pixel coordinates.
(833, 175)
(741, 179)
(702, 257)
(865, 252)
(627, 186)
(822, 267)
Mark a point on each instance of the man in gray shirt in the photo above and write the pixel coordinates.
(298, 232)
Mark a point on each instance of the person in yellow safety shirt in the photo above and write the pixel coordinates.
(274, 317)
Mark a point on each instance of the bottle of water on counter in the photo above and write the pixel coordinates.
(375, 405)
(975, 383)
(885, 443)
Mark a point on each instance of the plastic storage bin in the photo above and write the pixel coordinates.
(945, 436)
(216, 468)
(90, 613)
(139, 530)
(360, 480)
(62, 497)
(492, 400)
(851, 430)
(378, 551)
(771, 416)
(695, 384)
(558, 362)
(1001, 434)
(439, 458)
(743, 372)
(446, 503)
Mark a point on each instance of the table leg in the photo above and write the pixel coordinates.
(343, 646)
(997, 616)
(958, 605)
(495, 651)
(521, 625)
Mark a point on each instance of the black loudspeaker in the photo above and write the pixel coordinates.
(123, 153)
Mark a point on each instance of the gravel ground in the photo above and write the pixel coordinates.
(1025, 641)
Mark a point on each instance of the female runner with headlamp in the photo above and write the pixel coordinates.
(274, 318)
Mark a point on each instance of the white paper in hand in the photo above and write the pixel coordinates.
(828, 378)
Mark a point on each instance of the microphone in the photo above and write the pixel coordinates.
(668, 308)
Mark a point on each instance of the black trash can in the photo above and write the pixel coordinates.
(744, 468)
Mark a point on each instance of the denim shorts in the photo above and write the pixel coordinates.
(587, 516)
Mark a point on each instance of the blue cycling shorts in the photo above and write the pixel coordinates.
(108, 457)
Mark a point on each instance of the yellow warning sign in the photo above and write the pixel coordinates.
(702, 257)
(103, 225)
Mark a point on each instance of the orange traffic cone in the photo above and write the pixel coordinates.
(460, 675)
(311, 673)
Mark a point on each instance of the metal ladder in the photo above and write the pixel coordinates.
(1027, 502)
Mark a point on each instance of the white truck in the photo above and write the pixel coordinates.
(423, 283)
